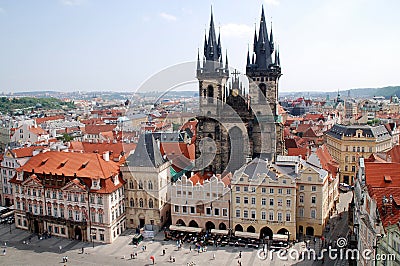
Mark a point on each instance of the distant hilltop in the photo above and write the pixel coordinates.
(386, 92)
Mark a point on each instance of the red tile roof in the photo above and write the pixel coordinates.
(49, 118)
(327, 161)
(37, 130)
(97, 129)
(298, 151)
(26, 151)
(89, 165)
(375, 173)
(115, 149)
(391, 215)
(394, 154)
(198, 178)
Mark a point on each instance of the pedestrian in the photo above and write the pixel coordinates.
(145, 247)
(83, 250)
(131, 256)
(152, 259)
(190, 248)
(63, 258)
(163, 252)
(240, 254)
(173, 259)
(66, 258)
(170, 258)
(213, 256)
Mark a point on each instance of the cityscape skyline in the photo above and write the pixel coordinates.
(83, 45)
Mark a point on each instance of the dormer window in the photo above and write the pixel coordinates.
(95, 184)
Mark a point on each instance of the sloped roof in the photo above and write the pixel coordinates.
(97, 129)
(375, 173)
(37, 130)
(49, 118)
(394, 154)
(147, 153)
(392, 216)
(115, 149)
(339, 131)
(89, 165)
(25, 151)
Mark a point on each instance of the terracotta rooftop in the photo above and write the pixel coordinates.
(25, 151)
(115, 149)
(89, 165)
(49, 118)
(37, 130)
(394, 154)
(391, 213)
(375, 173)
(97, 129)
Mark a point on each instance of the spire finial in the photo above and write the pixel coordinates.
(248, 55)
(226, 59)
(198, 58)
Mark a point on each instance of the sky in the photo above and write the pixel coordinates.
(87, 45)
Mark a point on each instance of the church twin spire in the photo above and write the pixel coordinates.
(212, 58)
(263, 48)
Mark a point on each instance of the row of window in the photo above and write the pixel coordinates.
(75, 197)
(313, 188)
(141, 204)
(313, 199)
(313, 213)
(60, 212)
(358, 149)
(140, 185)
(284, 181)
(238, 214)
(263, 190)
(209, 210)
(264, 201)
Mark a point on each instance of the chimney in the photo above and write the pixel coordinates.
(106, 156)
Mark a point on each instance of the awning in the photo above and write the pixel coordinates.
(185, 229)
(219, 232)
(279, 237)
(7, 214)
(247, 234)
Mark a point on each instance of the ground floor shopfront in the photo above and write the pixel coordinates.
(84, 231)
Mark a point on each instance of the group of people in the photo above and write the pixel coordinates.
(65, 259)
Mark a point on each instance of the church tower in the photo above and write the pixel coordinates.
(212, 75)
(265, 73)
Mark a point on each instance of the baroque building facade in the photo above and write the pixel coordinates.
(73, 195)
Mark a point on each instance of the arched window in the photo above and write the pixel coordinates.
(150, 203)
(150, 185)
(140, 184)
(141, 203)
(132, 203)
(130, 184)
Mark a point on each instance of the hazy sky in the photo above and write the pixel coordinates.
(117, 45)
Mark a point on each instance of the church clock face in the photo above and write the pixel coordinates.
(235, 92)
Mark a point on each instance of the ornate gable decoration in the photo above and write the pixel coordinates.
(32, 181)
(74, 186)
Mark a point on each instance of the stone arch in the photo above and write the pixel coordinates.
(238, 227)
(193, 223)
(283, 231)
(222, 226)
(180, 222)
(210, 225)
(251, 229)
(266, 232)
(310, 231)
(236, 151)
